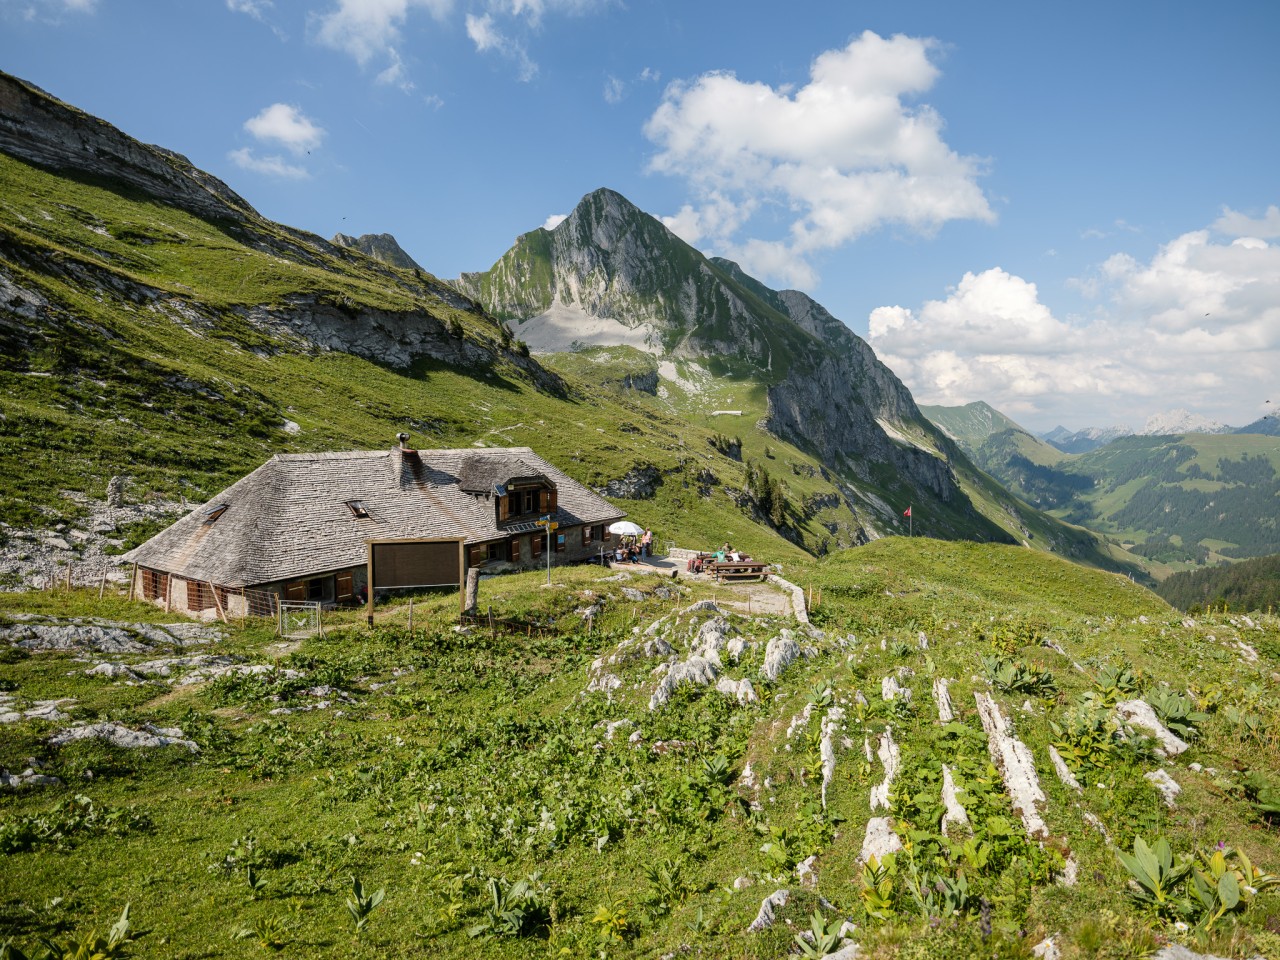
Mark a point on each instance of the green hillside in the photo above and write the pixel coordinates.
(180, 351)
(1247, 585)
(1171, 503)
(1189, 499)
(1024, 464)
(447, 769)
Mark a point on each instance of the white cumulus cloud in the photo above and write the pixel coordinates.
(272, 166)
(1236, 224)
(554, 221)
(286, 125)
(849, 151)
(369, 29)
(1196, 326)
(486, 35)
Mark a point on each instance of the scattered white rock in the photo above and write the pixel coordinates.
(1070, 872)
(1047, 949)
(942, 697)
(807, 873)
(612, 726)
(781, 652)
(889, 690)
(1176, 951)
(769, 908)
(923, 639)
(123, 737)
(711, 638)
(1247, 653)
(708, 606)
(891, 758)
(1097, 824)
(827, 748)
(1139, 714)
(1168, 787)
(657, 647)
(39, 709)
(879, 840)
(604, 683)
(27, 778)
(222, 670)
(1017, 766)
(1063, 771)
(696, 670)
(741, 883)
(951, 802)
(801, 720)
(741, 689)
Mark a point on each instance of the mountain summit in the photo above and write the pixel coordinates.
(612, 275)
(380, 246)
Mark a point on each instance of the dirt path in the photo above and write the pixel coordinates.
(754, 598)
(757, 598)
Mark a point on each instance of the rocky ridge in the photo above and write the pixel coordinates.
(826, 390)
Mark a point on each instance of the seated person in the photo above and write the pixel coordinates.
(619, 554)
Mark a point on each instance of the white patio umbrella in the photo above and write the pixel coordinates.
(625, 528)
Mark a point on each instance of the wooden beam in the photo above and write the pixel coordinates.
(217, 602)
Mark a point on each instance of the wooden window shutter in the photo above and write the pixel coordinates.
(551, 500)
(477, 555)
(586, 536)
(544, 501)
(515, 549)
(504, 508)
(536, 543)
(296, 591)
(344, 586)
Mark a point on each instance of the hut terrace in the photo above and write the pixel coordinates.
(300, 526)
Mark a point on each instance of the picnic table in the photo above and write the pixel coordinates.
(737, 569)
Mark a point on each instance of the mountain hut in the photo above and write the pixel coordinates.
(311, 527)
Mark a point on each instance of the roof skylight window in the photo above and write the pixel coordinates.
(211, 516)
(358, 509)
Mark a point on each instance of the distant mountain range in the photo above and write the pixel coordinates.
(1175, 499)
(1170, 423)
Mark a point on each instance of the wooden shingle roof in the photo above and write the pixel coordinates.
(290, 518)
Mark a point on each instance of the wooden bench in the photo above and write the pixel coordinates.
(737, 569)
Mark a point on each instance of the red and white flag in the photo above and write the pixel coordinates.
(906, 512)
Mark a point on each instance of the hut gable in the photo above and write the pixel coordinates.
(299, 515)
(496, 475)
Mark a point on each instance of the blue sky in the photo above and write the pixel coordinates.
(1069, 211)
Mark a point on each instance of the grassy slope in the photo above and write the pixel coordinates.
(186, 402)
(442, 777)
(1219, 491)
(1252, 584)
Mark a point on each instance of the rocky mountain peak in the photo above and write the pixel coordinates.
(380, 246)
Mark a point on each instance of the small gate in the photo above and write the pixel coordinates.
(299, 619)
